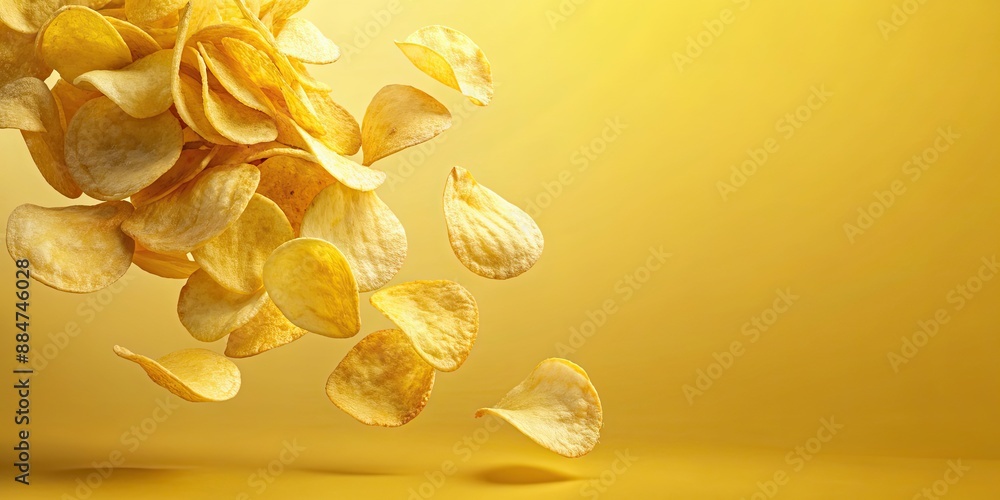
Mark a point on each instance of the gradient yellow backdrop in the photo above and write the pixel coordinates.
(622, 127)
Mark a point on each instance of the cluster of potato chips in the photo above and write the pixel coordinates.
(218, 159)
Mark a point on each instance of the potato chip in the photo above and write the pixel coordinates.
(196, 375)
(292, 183)
(147, 13)
(363, 227)
(23, 103)
(235, 121)
(283, 9)
(210, 312)
(140, 44)
(77, 40)
(233, 79)
(69, 99)
(489, 235)
(75, 249)
(302, 40)
(112, 155)
(268, 329)
(311, 282)
(398, 117)
(344, 170)
(187, 92)
(196, 212)
(172, 266)
(235, 258)
(382, 380)
(343, 134)
(141, 89)
(190, 164)
(556, 406)
(440, 318)
(452, 58)
(18, 58)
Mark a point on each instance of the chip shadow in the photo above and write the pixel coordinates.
(523, 474)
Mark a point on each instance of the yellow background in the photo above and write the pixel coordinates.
(655, 185)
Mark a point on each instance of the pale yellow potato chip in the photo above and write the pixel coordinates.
(233, 79)
(235, 258)
(311, 282)
(69, 99)
(556, 406)
(382, 380)
(112, 155)
(148, 13)
(209, 311)
(398, 117)
(440, 317)
(490, 236)
(24, 104)
(344, 170)
(363, 227)
(165, 37)
(196, 375)
(282, 9)
(196, 212)
(190, 164)
(18, 58)
(343, 134)
(28, 16)
(77, 40)
(292, 183)
(452, 58)
(268, 329)
(141, 89)
(302, 40)
(75, 249)
(140, 44)
(172, 266)
(235, 121)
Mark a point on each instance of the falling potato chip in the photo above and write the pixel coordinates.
(210, 312)
(191, 163)
(172, 266)
(18, 58)
(75, 249)
(382, 380)
(146, 13)
(344, 170)
(233, 79)
(69, 99)
(78, 40)
(196, 212)
(231, 118)
(141, 89)
(292, 183)
(300, 39)
(140, 44)
(343, 134)
(452, 58)
(112, 155)
(398, 117)
(235, 258)
(440, 318)
(196, 375)
(311, 282)
(556, 406)
(363, 227)
(268, 329)
(489, 235)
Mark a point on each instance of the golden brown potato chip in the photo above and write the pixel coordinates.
(268, 329)
(172, 266)
(18, 58)
(74, 249)
(363, 227)
(196, 212)
(343, 134)
(452, 58)
(556, 406)
(190, 164)
(490, 236)
(140, 44)
(25, 104)
(77, 40)
(196, 375)
(344, 170)
(69, 99)
(28, 16)
(440, 317)
(112, 155)
(292, 183)
(311, 282)
(382, 380)
(398, 117)
(235, 121)
(141, 89)
(147, 13)
(233, 79)
(210, 312)
(235, 258)
(300, 39)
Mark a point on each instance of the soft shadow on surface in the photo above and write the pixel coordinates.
(349, 471)
(523, 474)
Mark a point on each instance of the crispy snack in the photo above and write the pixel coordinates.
(233, 79)
(141, 89)
(382, 380)
(210, 312)
(293, 183)
(231, 118)
(344, 170)
(398, 117)
(78, 39)
(140, 44)
(197, 375)
(452, 58)
(69, 99)
(268, 329)
(556, 406)
(302, 40)
(173, 266)
(150, 13)
(18, 58)
(191, 163)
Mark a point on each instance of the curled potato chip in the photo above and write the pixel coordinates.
(74, 249)
(112, 155)
(235, 258)
(186, 89)
(268, 329)
(440, 318)
(69, 99)
(382, 380)
(140, 44)
(556, 406)
(147, 13)
(196, 375)
(18, 58)
(28, 16)
(344, 170)
(196, 212)
(210, 312)
(141, 89)
(363, 227)
(283, 9)
(292, 183)
(77, 40)
(300, 39)
(343, 134)
(231, 118)
(311, 282)
(452, 58)
(23, 104)
(233, 79)
(398, 117)
(191, 163)
(489, 235)
(172, 266)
